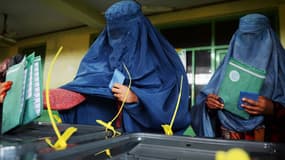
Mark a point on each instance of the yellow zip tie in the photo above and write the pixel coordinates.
(109, 124)
(107, 151)
(57, 118)
(168, 128)
(61, 142)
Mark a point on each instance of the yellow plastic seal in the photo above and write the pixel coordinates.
(168, 127)
(60, 144)
(108, 125)
(106, 151)
(57, 118)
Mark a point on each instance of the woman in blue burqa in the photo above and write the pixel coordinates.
(129, 43)
(256, 45)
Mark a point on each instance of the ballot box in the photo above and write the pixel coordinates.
(143, 146)
(28, 142)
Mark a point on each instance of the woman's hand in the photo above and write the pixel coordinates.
(213, 102)
(120, 91)
(4, 87)
(261, 106)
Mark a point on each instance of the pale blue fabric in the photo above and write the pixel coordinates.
(255, 44)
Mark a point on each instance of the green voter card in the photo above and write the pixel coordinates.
(239, 77)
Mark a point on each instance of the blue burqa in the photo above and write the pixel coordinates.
(255, 44)
(155, 68)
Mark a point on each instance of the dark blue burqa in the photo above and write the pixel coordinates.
(129, 38)
(255, 44)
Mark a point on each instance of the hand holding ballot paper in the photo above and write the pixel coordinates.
(23, 102)
(119, 90)
(245, 97)
(240, 81)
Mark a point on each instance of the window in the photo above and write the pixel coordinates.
(40, 50)
(189, 36)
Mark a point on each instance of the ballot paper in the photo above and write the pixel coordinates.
(118, 77)
(23, 102)
(239, 77)
(249, 95)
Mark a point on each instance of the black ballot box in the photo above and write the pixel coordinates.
(143, 146)
(28, 142)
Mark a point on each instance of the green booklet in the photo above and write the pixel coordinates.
(239, 77)
(23, 102)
